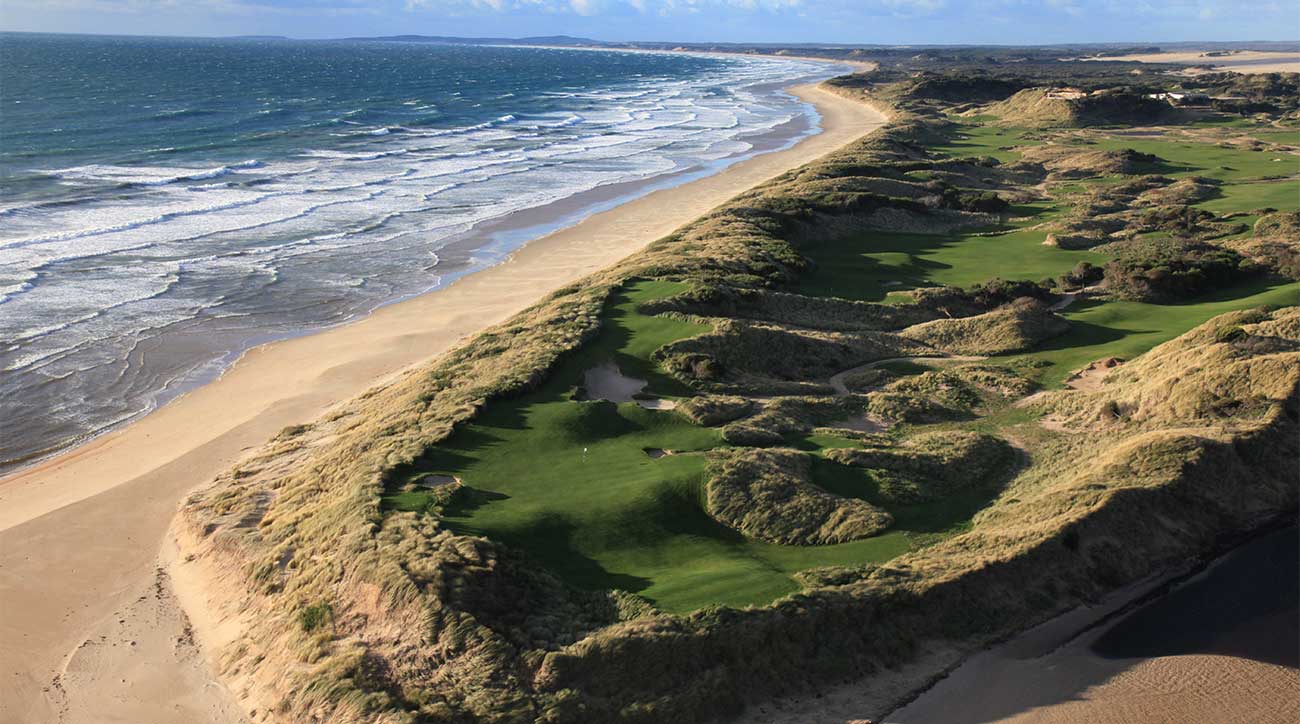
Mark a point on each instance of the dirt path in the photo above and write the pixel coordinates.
(1065, 301)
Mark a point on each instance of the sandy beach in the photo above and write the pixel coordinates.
(1215, 646)
(90, 628)
(1242, 61)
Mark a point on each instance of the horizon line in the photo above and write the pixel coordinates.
(773, 44)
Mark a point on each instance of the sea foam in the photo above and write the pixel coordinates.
(190, 249)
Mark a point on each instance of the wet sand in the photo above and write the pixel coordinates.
(80, 533)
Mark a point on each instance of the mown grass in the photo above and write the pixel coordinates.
(1249, 178)
(1281, 194)
(570, 483)
(873, 266)
(948, 514)
(860, 268)
(1126, 329)
(974, 139)
(1190, 158)
(870, 266)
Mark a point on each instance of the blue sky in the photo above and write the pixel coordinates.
(846, 21)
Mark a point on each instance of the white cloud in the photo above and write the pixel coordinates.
(652, 7)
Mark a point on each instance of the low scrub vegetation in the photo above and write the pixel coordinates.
(787, 532)
(1014, 327)
(1164, 270)
(769, 495)
(929, 466)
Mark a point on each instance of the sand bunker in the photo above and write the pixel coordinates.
(861, 423)
(435, 481)
(607, 382)
(656, 453)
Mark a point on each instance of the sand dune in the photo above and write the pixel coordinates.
(1216, 647)
(80, 534)
(1242, 61)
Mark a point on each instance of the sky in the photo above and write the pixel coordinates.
(1010, 22)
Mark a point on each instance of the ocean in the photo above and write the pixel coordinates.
(166, 204)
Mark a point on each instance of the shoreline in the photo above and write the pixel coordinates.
(485, 244)
(88, 524)
(497, 240)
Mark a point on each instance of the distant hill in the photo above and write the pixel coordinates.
(566, 40)
(838, 48)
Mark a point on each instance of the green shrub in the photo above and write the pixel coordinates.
(711, 410)
(1165, 270)
(314, 616)
(1230, 334)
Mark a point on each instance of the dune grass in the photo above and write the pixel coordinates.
(572, 484)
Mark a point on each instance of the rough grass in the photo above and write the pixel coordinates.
(551, 616)
(769, 495)
(1012, 328)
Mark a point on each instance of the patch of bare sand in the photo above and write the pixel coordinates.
(436, 481)
(861, 423)
(1090, 378)
(607, 382)
(141, 664)
(1180, 689)
(80, 533)
(1237, 61)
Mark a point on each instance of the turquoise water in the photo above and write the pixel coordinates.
(167, 203)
